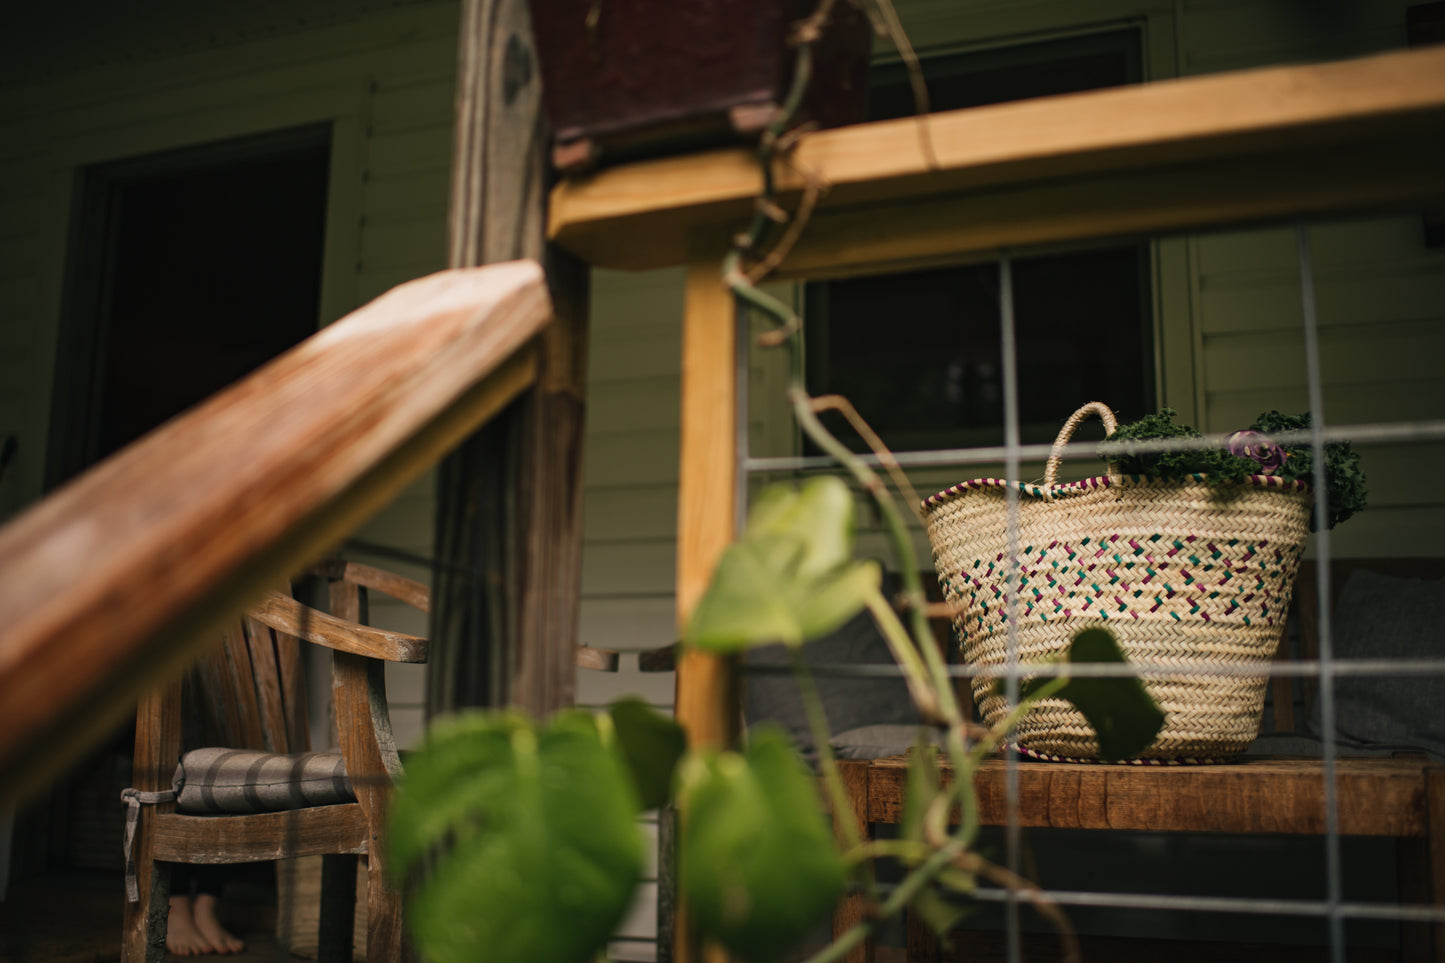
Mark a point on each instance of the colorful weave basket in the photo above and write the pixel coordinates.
(1183, 572)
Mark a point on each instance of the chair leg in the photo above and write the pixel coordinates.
(385, 937)
(338, 909)
(143, 932)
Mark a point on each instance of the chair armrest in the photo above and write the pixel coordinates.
(290, 616)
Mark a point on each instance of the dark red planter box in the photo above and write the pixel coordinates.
(630, 78)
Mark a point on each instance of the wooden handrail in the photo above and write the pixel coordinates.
(109, 581)
(1170, 155)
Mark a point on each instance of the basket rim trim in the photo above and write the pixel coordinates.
(1085, 485)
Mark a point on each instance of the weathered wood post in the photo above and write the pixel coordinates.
(509, 500)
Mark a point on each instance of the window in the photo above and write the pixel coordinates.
(918, 353)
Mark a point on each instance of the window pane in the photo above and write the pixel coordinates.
(919, 356)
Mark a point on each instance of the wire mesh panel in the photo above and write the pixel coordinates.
(1318, 867)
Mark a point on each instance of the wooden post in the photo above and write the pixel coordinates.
(708, 695)
(508, 537)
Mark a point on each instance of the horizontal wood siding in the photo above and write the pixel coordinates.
(1380, 292)
(382, 78)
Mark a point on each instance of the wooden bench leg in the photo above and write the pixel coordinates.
(1412, 870)
(1435, 850)
(852, 909)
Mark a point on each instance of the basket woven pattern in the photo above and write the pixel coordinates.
(1183, 572)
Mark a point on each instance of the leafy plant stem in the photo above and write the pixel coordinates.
(822, 736)
(915, 671)
(897, 528)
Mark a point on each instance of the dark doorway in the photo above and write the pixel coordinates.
(187, 270)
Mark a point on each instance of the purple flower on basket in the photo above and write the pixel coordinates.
(1258, 447)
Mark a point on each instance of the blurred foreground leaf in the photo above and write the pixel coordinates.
(1125, 718)
(532, 834)
(790, 577)
(650, 744)
(759, 868)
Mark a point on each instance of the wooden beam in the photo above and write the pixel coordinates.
(508, 542)
(1165, 133)
(708, 703)
(114, 578)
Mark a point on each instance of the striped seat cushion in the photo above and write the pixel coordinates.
(247, 781)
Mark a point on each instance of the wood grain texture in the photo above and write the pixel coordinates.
(157, 736)
(498, 170)
(405, 590)
(707, 704)
(113, 578)
(341, 635)
(510, 501)
(852, 909)
(1080, 151)
(363, 725)
(550, 483)
(264, 836)
(266, 676)
(1377, 797)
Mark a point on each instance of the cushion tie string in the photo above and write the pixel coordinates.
(134, 799)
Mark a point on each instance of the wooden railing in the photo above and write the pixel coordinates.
(1197, 152)
(114, 577)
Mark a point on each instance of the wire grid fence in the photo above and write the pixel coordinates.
(1333, 909)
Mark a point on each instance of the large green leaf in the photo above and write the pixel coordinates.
(758, 865)
(1125, 718)
(650, 744)
(534, 836)
(790, 577)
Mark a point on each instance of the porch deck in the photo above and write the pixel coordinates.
(75, 917)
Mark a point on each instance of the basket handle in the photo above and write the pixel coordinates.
(1051, 470)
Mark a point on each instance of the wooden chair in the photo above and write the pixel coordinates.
(256, 671)
(1400, 796)
(257, 664)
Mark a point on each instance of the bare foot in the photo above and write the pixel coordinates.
(219, 938)
(182, 937)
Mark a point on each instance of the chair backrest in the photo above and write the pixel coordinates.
(248, 690)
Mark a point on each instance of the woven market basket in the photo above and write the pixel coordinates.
(1183, 572)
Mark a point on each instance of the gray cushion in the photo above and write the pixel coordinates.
(849, 702)
(880, 742)
(245, 781)
(1382, 617)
